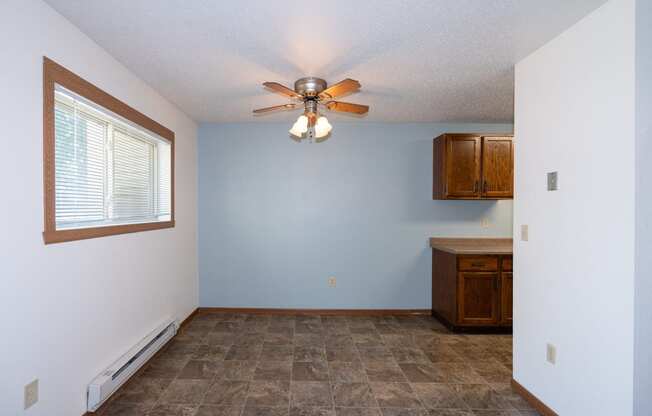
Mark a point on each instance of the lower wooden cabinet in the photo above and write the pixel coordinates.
(472, 292)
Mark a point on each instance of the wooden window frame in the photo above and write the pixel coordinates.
(53, 74)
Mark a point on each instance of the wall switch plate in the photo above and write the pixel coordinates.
(551, 353)
(525, 232)
(552, 181)
(485, 223)
(332, 281)
(31, 394)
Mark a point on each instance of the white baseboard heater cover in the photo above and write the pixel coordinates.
(104, 385)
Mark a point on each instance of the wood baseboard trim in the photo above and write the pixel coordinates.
(538, 405)
(326, 312)
(142, 368)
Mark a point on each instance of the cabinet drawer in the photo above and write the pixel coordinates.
(477, 263)
(507, 264)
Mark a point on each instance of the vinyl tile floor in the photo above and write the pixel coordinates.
(225, 364)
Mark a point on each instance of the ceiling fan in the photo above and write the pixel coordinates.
(314, 92)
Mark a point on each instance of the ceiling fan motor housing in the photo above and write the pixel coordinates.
(309, 86)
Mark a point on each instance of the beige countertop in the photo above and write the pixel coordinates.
(473, 245)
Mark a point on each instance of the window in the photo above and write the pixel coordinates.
(107, 168)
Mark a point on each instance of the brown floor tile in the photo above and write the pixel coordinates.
(379, 353)
(357, 411)
(510, 396)
(339, 341)
(367, 340)
(243, 353)
(164, 367)
(220, 338)
(216, 410)
(273, 370)
(459, 373)
(225, 392)
(492, 372)
(278, 339)
(249, 340)
(443, 354)
(265, 411)
(230, 327)
(450, 374)
(173, 410)
(309, 354)
(308, 328)
(395, 395)
(399, 411)
(422, 373)
(342, 354)
(185, 392)
(238, 370)
(126, 409)
(277, 353)
(310, 393)
(353, 395)
(179, 349)
(379, 371)
(201, 369)
(409, 355)
(268, 394)
(312, 411)
(308, 340)
(449, 412)
(398, 340)
(210, 352)
(481, 396)
(341, 371)
(143, 390)
(439, 396)
(310, 371)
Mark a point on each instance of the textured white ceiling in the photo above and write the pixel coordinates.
(417, 60)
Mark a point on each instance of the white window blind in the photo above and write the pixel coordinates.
(107, 170)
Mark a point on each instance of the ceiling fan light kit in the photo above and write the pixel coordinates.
(314, 92)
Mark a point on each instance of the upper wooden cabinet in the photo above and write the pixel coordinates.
(473, 166)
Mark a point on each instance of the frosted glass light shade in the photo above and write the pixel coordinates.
(322, 127)
(300, 126)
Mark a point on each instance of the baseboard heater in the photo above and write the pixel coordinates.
(104, 385)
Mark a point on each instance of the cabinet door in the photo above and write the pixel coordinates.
(478, 298)
(497, 167)
(463, 166)
(507, 298)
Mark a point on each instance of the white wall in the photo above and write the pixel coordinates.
(643, 318)
(574, 278)
(68, 310)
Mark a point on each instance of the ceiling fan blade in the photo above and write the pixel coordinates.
(282, 89)
(347, 107)
(342, 87)
(274, 108)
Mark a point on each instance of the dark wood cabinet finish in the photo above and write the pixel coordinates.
(507, 298)
(472, 292)
(478, 299)
(473, 166)
(497, 167)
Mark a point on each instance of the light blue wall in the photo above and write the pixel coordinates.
(277, 218)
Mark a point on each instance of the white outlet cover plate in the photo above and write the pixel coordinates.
(31, 394)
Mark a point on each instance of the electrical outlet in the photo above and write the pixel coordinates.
(332, 281)
(525, 232)
(551, 354)
(31, 394)
(485, 223)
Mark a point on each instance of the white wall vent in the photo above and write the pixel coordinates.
(109, 380)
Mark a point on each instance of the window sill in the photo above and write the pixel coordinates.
(61, 236)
